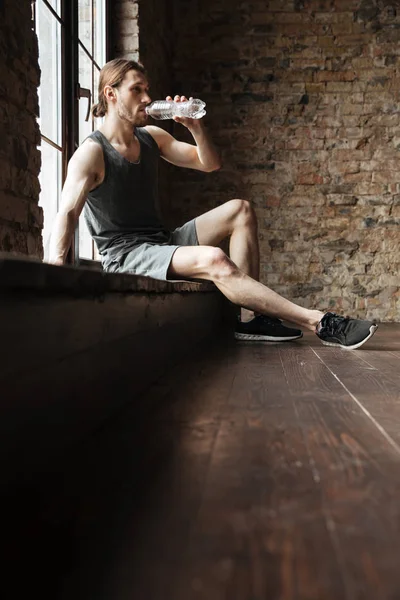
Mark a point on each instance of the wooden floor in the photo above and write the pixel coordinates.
(265, 472)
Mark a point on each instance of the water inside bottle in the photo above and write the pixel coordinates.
(167, 109)
(194, 109)
(160, 109)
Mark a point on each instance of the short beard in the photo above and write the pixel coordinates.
(125, 115)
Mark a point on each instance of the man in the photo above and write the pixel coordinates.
(114, 175)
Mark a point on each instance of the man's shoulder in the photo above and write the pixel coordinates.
(153, 134)
(93, 140)
(154, 131)
(159, 135)
(91, 146)
(89, 154)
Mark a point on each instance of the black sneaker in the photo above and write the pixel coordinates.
(347, 333)
(267, 329)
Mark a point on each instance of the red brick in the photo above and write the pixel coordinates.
(343, 87)
(357, 177)
(310, 179)
(335, 76)
(353, 40)
(386, 177)
(19, 77)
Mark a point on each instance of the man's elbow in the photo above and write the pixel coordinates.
(214, 167)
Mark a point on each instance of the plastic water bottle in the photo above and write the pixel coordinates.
(167, 109)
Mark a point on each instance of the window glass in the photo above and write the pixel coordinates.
(85, 23)
(92, 34)
(85, 129)
(85, 81)
(50, 121)
(56, 4)
(89, 79)
(99, 38)
(85, 240)
(49, 35)
(96, 74)
(50, 181)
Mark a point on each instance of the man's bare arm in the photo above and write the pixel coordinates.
(85, 171)
(202, 157)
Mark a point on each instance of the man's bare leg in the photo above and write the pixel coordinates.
(207, 262)
(236, 219)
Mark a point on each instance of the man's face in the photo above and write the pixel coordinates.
(132, 98)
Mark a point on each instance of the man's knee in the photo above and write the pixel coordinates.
(217, 263)
(243, 213)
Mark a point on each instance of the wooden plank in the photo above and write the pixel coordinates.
(260, 477)
(386, 339)
(373, 378)
(384, 363)
(358, 469)
(260, 532)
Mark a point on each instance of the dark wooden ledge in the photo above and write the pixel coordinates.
(25, 273)
(78, 344)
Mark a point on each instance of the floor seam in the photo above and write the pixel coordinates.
(388, 438)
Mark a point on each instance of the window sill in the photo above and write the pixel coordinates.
(25, 273)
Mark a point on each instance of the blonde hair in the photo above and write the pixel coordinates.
(113, 74)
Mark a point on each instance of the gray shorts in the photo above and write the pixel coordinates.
(153, 259)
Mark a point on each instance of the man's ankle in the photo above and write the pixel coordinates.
(316, 320)
(246, 315)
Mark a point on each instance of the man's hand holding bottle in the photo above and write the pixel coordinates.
(180, 109)
(186, 121)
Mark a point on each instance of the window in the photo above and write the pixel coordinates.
(72, 38)
(49, 33)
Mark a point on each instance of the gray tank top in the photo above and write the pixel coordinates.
(123, 210)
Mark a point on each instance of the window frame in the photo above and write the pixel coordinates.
(70, 44)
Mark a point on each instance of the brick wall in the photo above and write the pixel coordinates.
(125, 29)
(21, 219)
(143, 31)
(303, 99)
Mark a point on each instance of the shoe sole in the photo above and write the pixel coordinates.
(372, 330)
(265, 338)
